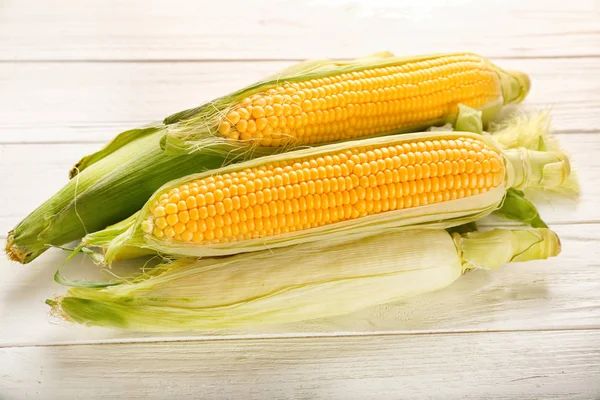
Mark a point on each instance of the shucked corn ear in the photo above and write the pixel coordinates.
(333, 193)
(312, 280)
(331, 101)
(347, 99)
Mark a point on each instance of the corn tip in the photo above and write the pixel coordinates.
(13, 251)
(56, 309)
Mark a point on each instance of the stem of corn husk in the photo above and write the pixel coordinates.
(532, 131)
(303, 282)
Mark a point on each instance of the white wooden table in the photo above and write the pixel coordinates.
(75, 73)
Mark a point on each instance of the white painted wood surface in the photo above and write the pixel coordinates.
(483, 365)
(91, 102)
(73, 74)
(288, 29)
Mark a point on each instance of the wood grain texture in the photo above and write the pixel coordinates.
(559, 293)
(523, 365)
(73, 74)
(285, 29)
(92, 102)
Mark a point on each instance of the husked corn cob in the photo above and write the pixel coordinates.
(347, 100)
(334, 193)
(303, 193)
(364, 102)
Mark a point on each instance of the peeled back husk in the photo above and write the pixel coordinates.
(533, 131)
(307, 281)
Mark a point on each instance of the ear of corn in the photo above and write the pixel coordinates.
(315, 280)
(334, 193)
(327, 101)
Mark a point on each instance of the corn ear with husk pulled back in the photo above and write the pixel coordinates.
(307, 281)
(334, 193)
(327, 101)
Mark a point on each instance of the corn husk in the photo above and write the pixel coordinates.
(307, 281)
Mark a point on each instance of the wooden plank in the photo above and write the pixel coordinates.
(285, 29)
(511, 365)
(92, 102)
(558, 293)
(37, 181)
(56, 102)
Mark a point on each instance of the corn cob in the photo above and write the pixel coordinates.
(311, 280)
(307, 192)
(352, 99)
(351, 189)
(313, 102)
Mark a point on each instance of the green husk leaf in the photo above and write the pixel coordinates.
(497, 247)
(118, 142)
(60, 279)
(517, 207)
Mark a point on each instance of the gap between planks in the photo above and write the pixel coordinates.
(250, 60)
(281, 336)
(139, 123)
